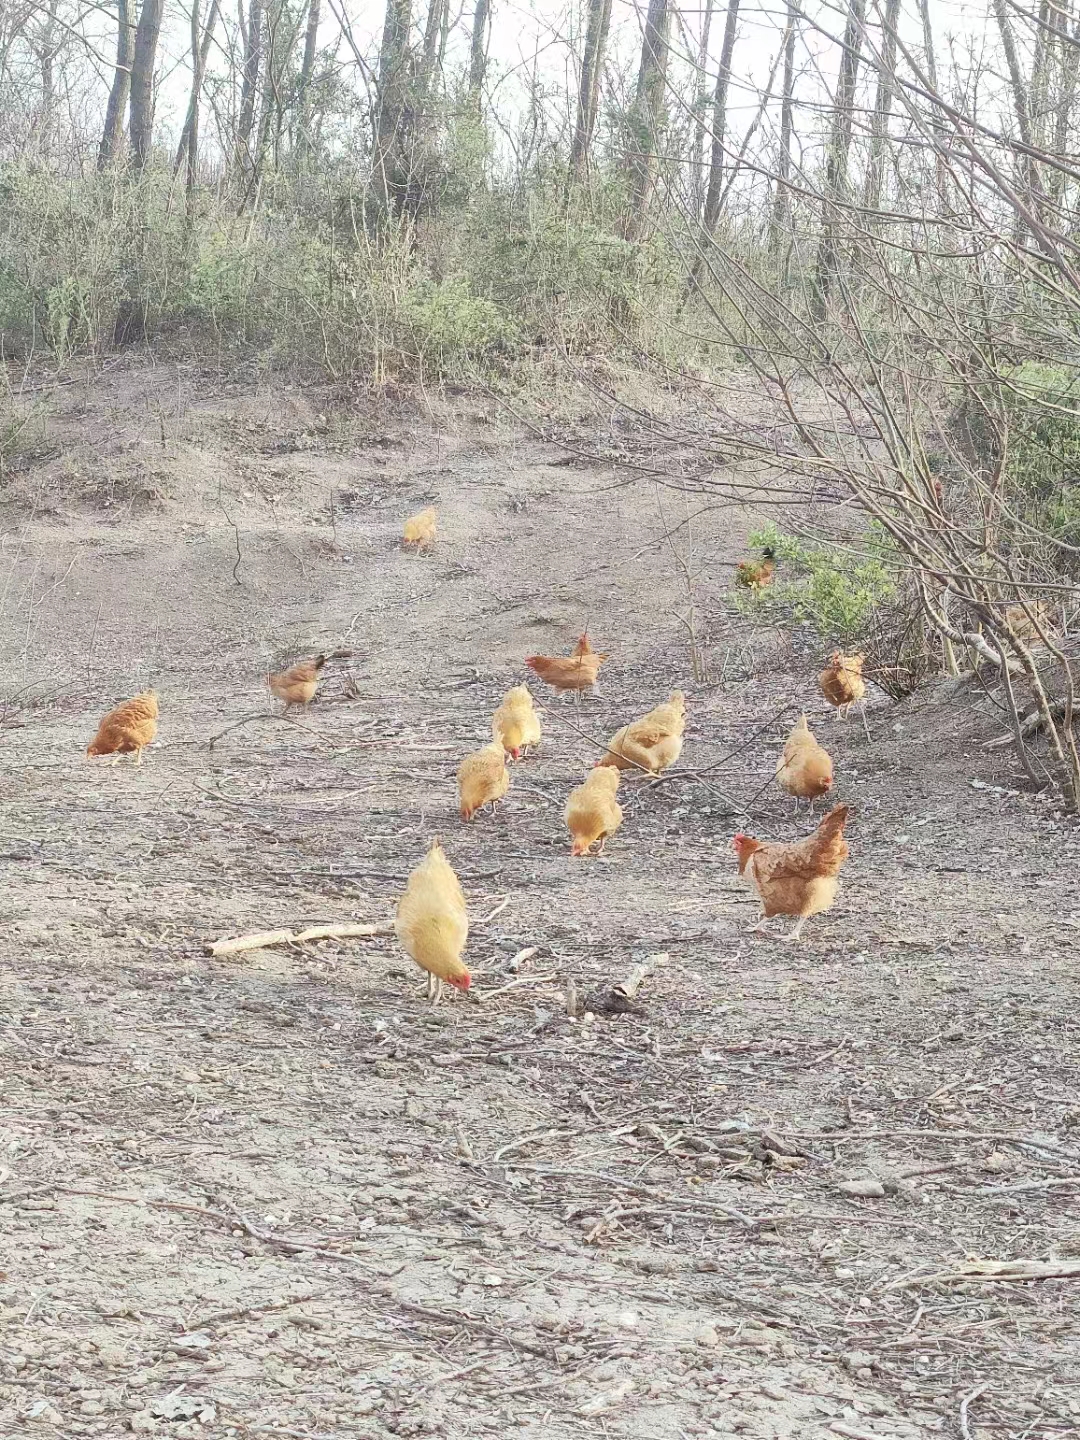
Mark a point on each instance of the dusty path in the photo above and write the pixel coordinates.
(278, 1195)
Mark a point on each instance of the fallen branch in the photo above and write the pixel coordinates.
(517, 984)
(1029, 725)
(629, 987)
(239, 943)
(992, 1271)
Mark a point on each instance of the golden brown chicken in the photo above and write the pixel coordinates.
(572, 674)
(128, 729)
(651, 743)
(298, 685)
(517, 722)
(483, 778)
(842, 681)
(797, 879)
(592, 812)
(432, 923)
(805, 769)
(419, 530)
(757, 574)
(1027, 620)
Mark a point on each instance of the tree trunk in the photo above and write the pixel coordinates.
(879, 125)
(701, 102)
(1069, 62)
(478, 52)
(936, 123)
(141, 115)
(719, 120)
(438, 17)
(782, 201)
(647, 117)
(592, 64)
(252, 33)
(118, 95)
(389, 165)
(200, 51)
(836, 164)
(307, 71)
(47, 57)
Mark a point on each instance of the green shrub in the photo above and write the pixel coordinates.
(836, 589)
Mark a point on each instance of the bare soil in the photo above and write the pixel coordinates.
(280, 1195)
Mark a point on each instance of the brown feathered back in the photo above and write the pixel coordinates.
(128, 728)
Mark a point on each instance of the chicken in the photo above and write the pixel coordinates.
(432, 924)
(483, 778)
(842, 681)
(805, 769)
(517, 722)
(571, 674)
(757, 574)
(592, 812)
(419, 530)
(651, 743)
(796, 879)
(1025, 621)
(298, 685)
(128, 729)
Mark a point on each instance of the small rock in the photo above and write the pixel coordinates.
(626, 1320)
(856, 1360)
(707, 1338)
(996, 1162)
(866, 1189)
(493, 1279)
(189, 1077)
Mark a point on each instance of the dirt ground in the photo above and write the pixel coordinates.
(278, 1194)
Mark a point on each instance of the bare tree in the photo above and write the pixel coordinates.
(200, 51)
(307, 72)
(251, 31)
(588, 96)
(701, 104)
(837, 156)
(394, 118)
(879, 125)
(781, 200)
(121, 84)
(647, 115)
(719, 120)
(141, 122)
(478, 51)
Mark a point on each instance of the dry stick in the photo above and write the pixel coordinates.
(965, 1403)
(240, 943)
(517, 984)
(262, 715)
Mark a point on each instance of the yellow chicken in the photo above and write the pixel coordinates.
(592, 812)
(805, 769)
(298, 685)
(517, 722)
(128, 729)
(419, 531)
(652, 743)
(432, 923)
(842, 681)
(483, 778)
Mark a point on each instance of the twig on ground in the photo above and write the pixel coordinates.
(517, 984)
(965, 1405)
(239, 943)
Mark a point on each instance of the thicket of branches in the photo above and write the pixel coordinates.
(869, 219)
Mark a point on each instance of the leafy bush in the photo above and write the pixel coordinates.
(835, 589)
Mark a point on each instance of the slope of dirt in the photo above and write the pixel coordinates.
(278, 1194)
